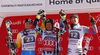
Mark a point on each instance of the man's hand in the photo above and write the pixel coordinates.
(62, 14)
(92, 19)
(40, 13)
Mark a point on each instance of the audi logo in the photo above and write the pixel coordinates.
(61, 39)
(98, 18)
(99, 28)
(14, 40)
(87, 37)
(56, 20)
(16, 50)
(39, 39)
(60, 48)
(91, 48)
(39, 49)
(14, 30)
(99, 37)
(68, 20)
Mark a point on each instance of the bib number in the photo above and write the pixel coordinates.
(74, 35)
(29, 39)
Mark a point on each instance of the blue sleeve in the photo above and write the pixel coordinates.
(38, 29)
(62, 26)
(85, 30)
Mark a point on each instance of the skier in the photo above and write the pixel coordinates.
(76, 32)
(27, 38)
(48, 35)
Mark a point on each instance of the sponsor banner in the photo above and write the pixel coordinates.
(35, 5)
(72, 4)
(21, 5)
(17, 25)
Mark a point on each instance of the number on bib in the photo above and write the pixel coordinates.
(74, 34)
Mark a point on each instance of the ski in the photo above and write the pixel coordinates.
(10, 40)
(88, 40)
(89, 35)
(56, 25)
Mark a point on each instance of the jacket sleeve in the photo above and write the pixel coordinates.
(37, 28)
(18, 40)
(86, 29)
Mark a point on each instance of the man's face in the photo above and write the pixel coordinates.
(28, 25)
(48, 26)
(74, 20)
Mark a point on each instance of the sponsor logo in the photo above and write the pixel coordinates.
(61, 39)
(99, 28)
(14, 30)
(39, 49)
(60, 48)
(55, 20)
(59, 2)
(16, 51)
(68, 20)
(15, 23)
(99, 48)
(91, 48)
(98, 18)
(14, 40)
(49, 43)
(87, 37)
(24, 21)
(99, 37)
(39, 40)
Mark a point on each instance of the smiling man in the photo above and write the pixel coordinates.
(48, 35)
(27, 38)
(76, 33)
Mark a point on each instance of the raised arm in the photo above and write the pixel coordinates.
(39, 15)
(63, 22)
(92, 20)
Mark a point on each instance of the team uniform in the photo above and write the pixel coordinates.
(27, 40)
(75, 38)
(49, 39)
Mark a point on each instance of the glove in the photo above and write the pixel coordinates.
(83, 54)
(25, 32)
(13, 46)
(92, 20)
(62, 14)
(85, 51)
(40, 13)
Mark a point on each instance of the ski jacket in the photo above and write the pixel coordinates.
(48, 37)
(27, 41)
(75, 37)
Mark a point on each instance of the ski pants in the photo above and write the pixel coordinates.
(28, 52)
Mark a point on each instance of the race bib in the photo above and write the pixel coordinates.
(29, 39)
(74, 34)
